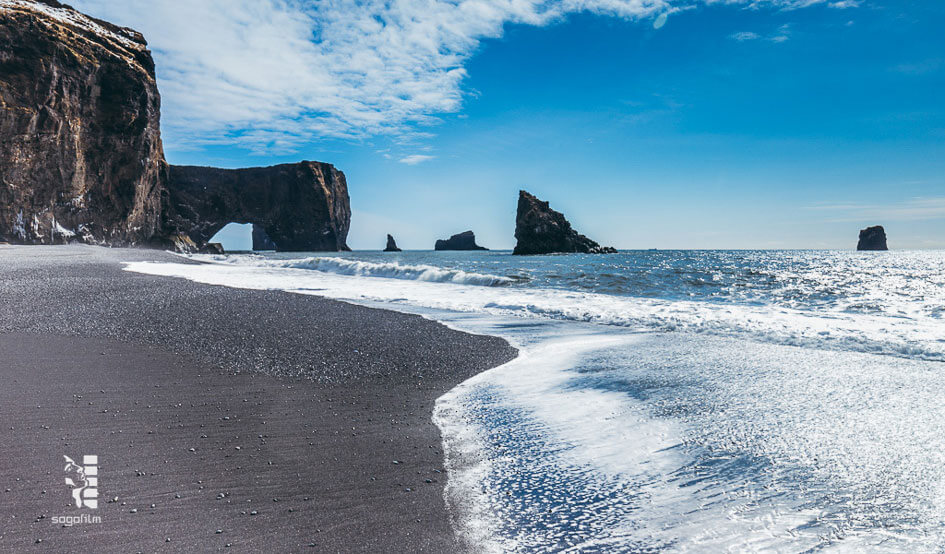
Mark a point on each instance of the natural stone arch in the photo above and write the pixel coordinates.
(300, 207)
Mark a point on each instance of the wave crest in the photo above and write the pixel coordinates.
(389, 270)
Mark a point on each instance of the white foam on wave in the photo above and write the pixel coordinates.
(574, 429)
(444, 290)
(358, 268)
(768, 448)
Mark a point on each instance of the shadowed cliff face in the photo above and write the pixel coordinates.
(81, 156)
(80, 146)
(300, 207)
(261, 240)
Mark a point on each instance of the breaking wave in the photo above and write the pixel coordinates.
(357, 268)
(834, 329)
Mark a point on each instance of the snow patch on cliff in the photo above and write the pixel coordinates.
(71, 17)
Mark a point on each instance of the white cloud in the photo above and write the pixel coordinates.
(844, 4)
(781, 35)
(415, 159)
(271, 75)
(745, 35)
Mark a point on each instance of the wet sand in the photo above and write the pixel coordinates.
(255, 419)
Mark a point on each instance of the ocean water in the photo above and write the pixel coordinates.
(682, 401)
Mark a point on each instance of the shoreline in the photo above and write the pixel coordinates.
(321, 398)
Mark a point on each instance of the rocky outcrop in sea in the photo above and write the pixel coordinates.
(872, 238)
(460, 241)
(391, 245)
(541, 230)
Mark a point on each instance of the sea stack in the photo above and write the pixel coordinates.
(541, 230)
(391, 245)
(872, 238)
(461, 241)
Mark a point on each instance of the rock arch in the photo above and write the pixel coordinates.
(299, 207)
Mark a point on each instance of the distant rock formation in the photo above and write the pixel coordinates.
(391, 245)
(541, 230)
(81, 157)
(300, 207)
(872, 238)
(261, 240)
(462, 241)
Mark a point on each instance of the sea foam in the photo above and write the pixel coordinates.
(447, 289)
(360, 268)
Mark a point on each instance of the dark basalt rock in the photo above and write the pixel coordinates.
(391, 245)
(541, 230)
(80, 146)
(81, 156)
(872, 238)
(261, 240)
(462, 241)
(301, 207)
(213, 248)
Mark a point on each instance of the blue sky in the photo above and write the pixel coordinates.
(778, 124)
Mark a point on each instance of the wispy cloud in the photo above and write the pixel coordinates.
(799, 4)
(913, 209)
(745, 35)
(415, 159)
(271, 75)
(782, 34)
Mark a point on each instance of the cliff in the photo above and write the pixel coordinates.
(541, 230)
(872, 238)
(81, 156)
(460, 241)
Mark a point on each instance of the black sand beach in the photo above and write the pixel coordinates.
(221, 417)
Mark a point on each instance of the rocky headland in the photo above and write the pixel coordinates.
(82, 158)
